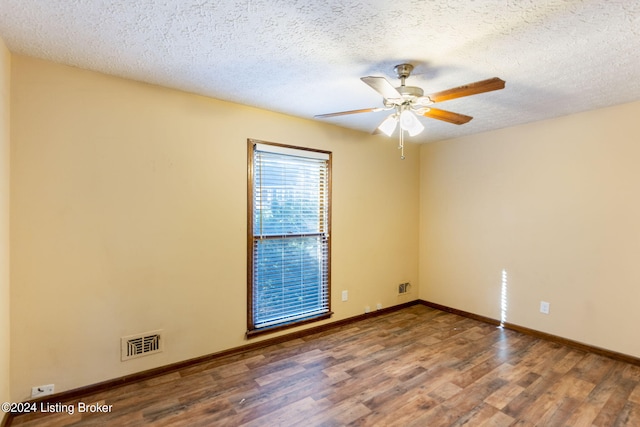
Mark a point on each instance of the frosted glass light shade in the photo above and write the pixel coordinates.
(410, 123)
(389, 125)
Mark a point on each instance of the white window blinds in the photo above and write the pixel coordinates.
(290, 235)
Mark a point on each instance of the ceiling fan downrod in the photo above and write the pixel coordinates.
(409, 93)
(403, 71)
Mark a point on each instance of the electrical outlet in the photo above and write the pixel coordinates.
(41, 390)
(544, 307)
(367, 309)
(378, 306)
(345, 295)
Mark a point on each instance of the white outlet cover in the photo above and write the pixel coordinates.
(41, 390)
(544, 307)
(345, 295)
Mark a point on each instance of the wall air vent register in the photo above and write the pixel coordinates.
(145, 344)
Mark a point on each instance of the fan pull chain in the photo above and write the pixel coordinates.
(401, 144)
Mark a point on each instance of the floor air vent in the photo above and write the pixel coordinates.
(141, 345)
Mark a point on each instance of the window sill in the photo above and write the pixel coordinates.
(262, 331)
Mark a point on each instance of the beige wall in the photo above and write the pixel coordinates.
(556, 205)
(5, 67)
(129, 215)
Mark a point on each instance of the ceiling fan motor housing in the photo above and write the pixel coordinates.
(409, 92)
(409, 95)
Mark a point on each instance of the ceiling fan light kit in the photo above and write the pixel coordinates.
(409, 101)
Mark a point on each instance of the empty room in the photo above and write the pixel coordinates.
(366, 213)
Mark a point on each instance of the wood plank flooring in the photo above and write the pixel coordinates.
(414, 367)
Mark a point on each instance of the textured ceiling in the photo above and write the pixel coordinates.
(305, 58)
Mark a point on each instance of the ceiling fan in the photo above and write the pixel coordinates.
(409, 101)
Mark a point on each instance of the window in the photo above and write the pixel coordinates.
(288, 236)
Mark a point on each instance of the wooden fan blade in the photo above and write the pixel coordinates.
(447, 116)
(382, 86)
(466, 90)
(344, 113)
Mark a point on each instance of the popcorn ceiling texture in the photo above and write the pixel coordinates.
(305, 58)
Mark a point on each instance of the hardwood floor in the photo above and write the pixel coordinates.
(414, 367)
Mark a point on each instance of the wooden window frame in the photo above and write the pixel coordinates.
(252, 330)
